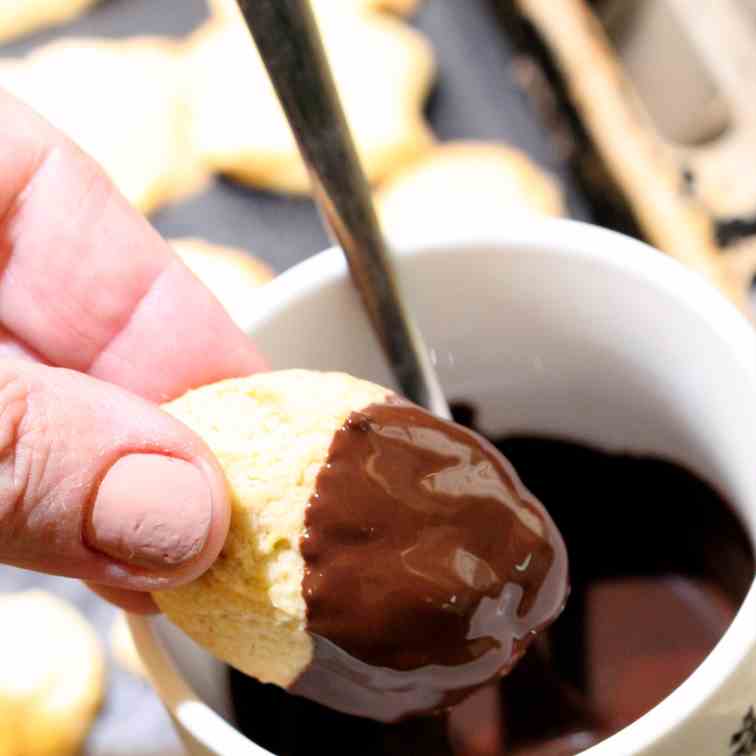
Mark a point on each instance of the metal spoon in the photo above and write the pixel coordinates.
(287, 37)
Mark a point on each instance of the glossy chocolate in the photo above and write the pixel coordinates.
(429, 567)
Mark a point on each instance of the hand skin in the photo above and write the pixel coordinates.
(100, 322)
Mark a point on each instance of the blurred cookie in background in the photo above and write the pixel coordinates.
(405, 7)
(20, 17)
(383, 69)
(459, 186)
(123, 102)
(52, 675)
(230, 273)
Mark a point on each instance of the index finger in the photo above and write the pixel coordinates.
(87, 283)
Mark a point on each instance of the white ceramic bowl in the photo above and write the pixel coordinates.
(551, 327)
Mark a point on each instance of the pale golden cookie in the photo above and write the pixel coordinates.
(271, 433)
(123, 102)
(19, 17)
(230, 273)
(122, 647)
(367, 536)
(405, 7)
(383, 69)
(51, 675)
(465, 185)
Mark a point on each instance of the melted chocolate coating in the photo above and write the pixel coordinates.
(429, 567)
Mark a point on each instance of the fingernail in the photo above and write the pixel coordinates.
(151, 511)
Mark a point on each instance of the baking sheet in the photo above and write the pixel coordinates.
(476, 98)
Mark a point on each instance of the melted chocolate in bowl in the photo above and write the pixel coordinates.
(658, 567)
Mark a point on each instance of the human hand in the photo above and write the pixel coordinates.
(99, 320)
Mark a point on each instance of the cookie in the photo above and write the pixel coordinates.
(459, 186)
(231, 274)
(383, 69)
(123, 103)
(271, 434)
(405, 7)
(366, 535)
(19, 17)
(51, 675)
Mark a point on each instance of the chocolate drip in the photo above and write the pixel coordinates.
(429, 567)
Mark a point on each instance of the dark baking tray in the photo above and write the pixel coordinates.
(476, 97)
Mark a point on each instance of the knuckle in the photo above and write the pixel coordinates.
(23, 448)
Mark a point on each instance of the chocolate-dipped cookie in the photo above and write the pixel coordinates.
(380, 560)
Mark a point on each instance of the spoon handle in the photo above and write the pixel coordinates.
(287, 37)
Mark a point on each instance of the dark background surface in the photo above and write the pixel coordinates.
(476, 97)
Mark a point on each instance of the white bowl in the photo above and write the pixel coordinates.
(553, 327)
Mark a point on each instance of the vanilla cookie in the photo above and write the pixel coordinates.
(51, 675)
(404, 7)
(231, 274)
(383, 70)
(123, 102)
(366, 535)
(459, 186)
(19, 17)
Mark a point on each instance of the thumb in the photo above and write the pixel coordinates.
(96, 483)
